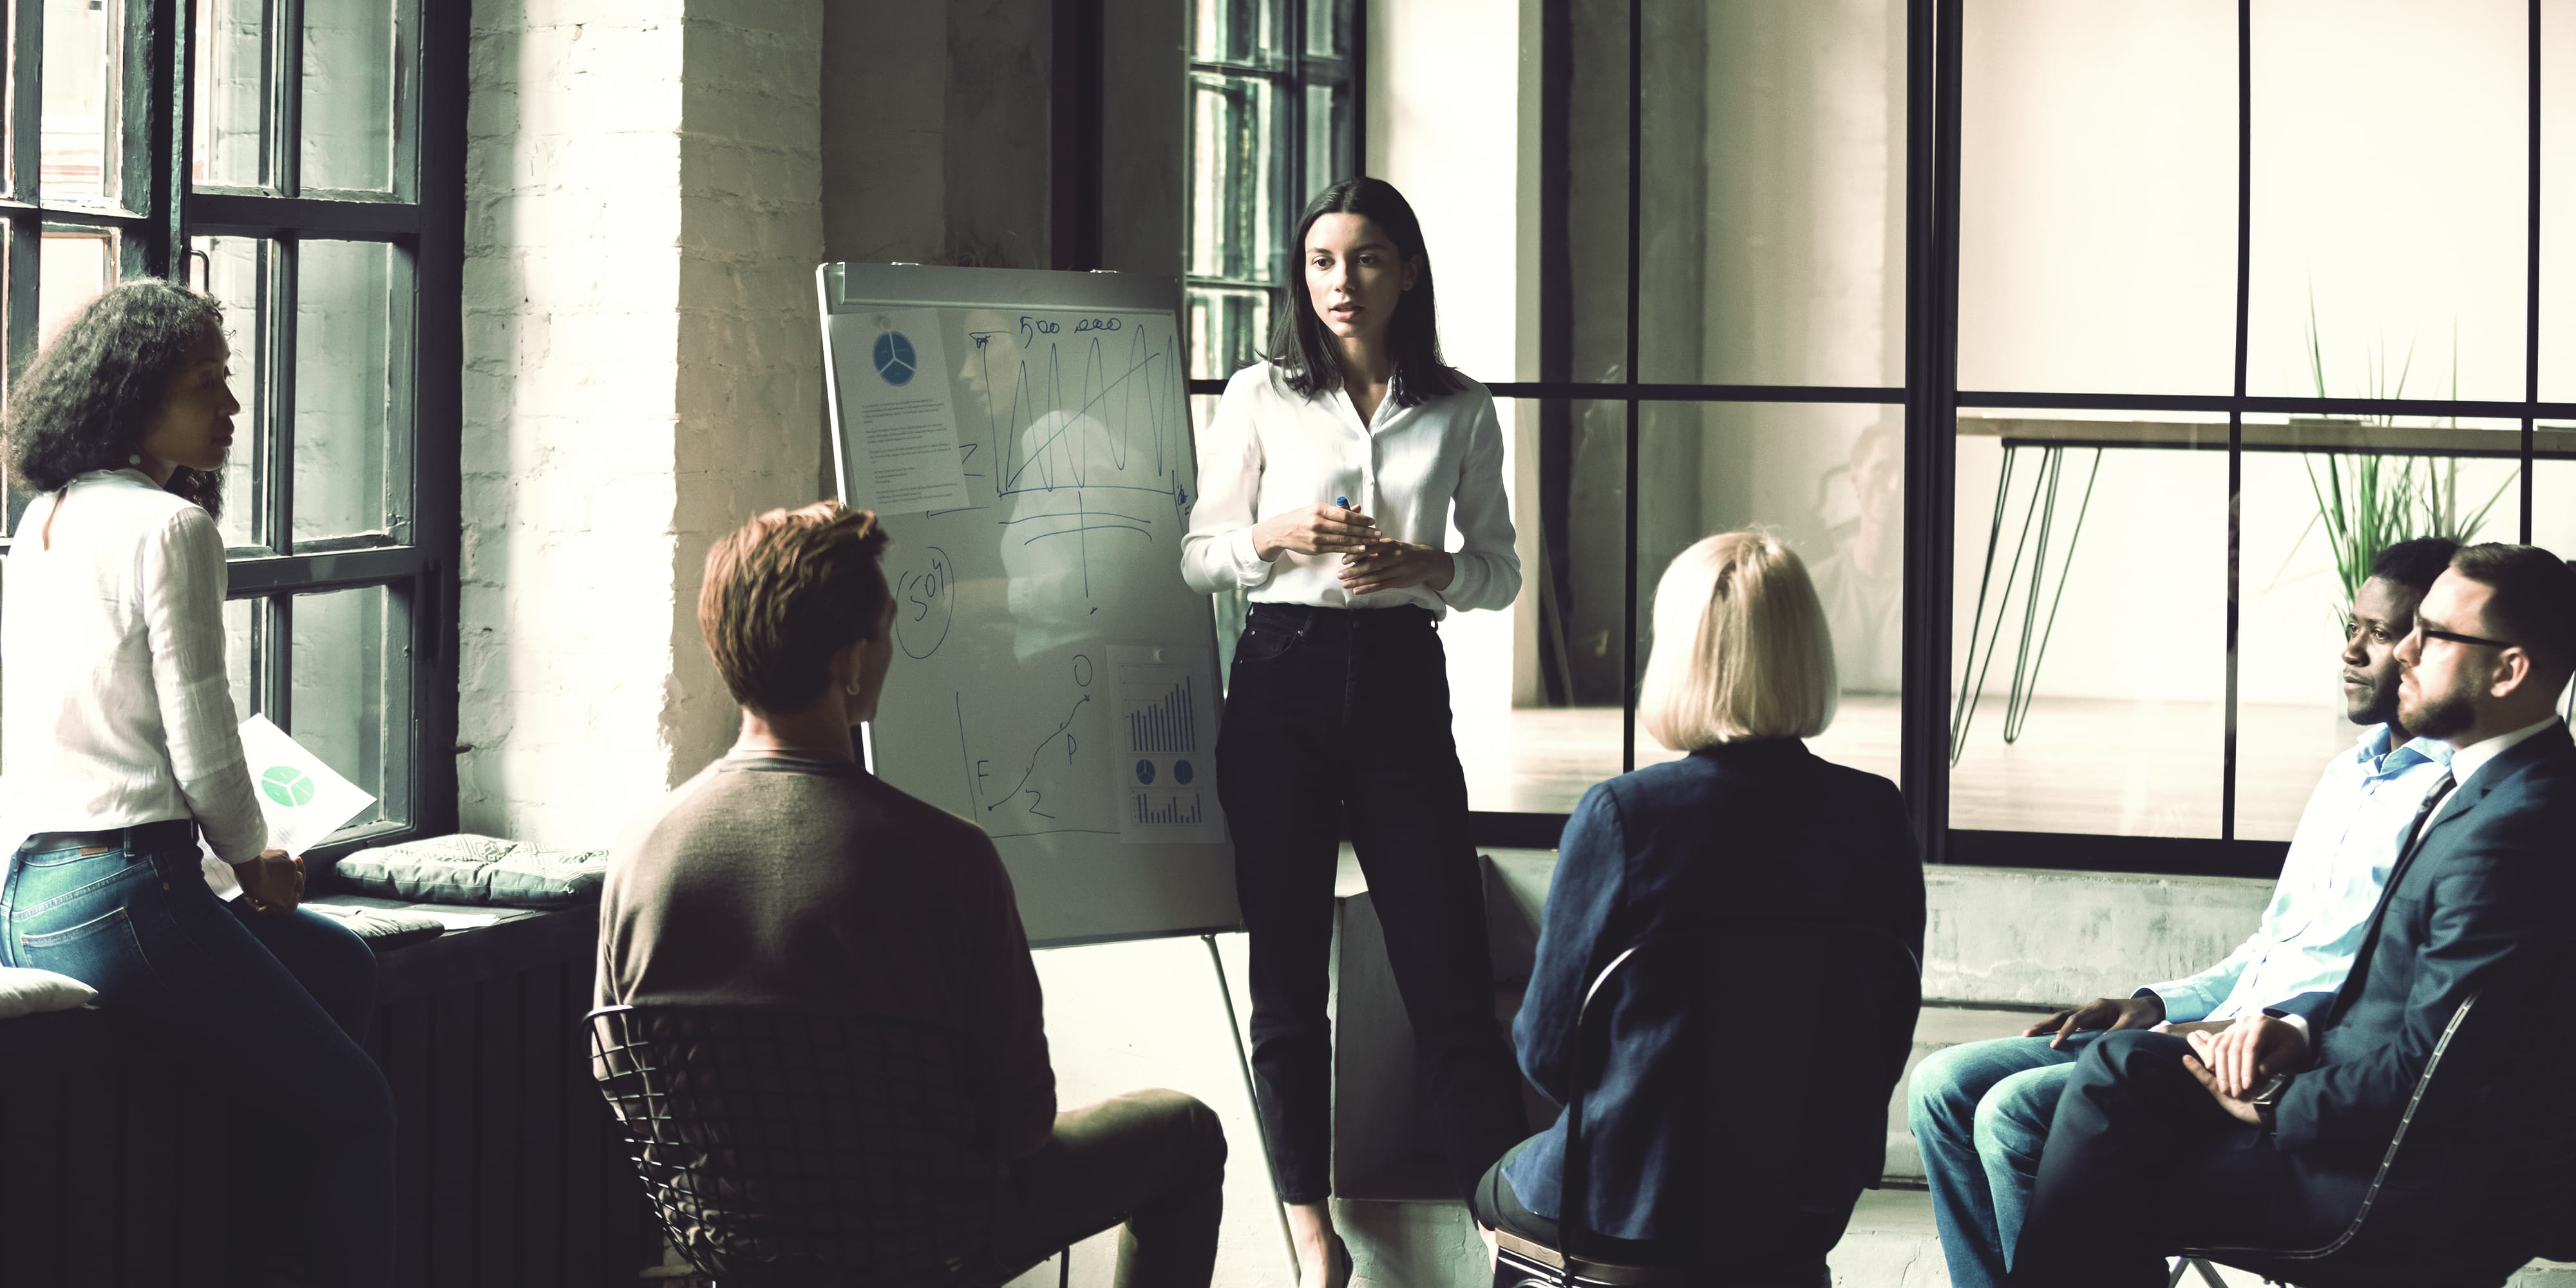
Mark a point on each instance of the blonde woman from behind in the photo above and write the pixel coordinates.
(1747, 827)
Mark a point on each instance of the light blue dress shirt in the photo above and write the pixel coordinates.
(2348, 838)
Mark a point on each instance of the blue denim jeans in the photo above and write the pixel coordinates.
(274, 1009)
(1980, 1113)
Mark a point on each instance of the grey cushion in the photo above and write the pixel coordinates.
(475, 870)
(25, 990)
(382, 928)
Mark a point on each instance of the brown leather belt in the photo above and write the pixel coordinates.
(142, 838)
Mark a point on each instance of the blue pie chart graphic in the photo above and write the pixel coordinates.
(1181, 772)
(1145, 771)
(287, 786)
(894, 358)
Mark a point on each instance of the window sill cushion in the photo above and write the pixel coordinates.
(25, 990)
(470, 869)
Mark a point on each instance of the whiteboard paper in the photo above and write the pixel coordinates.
(1015, 607)
(900, 405)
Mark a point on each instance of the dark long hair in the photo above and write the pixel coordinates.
(1303, 350)
(93, 391)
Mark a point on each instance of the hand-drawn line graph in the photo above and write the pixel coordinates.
(1106, 418)
(1016, 793)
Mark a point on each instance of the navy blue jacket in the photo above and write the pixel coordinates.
(1758, 831)
(2485, 900)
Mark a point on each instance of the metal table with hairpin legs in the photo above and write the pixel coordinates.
(2038, 555)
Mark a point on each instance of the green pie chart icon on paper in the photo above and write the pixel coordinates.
(288, 786)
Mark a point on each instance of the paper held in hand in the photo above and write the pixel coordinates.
(304, 799)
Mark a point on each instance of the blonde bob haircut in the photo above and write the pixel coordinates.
(1741, 648)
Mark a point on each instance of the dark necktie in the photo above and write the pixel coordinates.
(2415, 831)
(2354, 982)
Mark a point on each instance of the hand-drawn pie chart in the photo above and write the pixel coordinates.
(894, 358)
(1145, 771)
(287, 786)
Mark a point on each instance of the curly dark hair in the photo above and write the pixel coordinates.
(90, 395)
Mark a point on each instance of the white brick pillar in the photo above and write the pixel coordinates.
(642, 372)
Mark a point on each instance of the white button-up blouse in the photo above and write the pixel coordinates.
(1270, 451)
(114, 708)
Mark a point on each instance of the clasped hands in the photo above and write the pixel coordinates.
(1371, 561)
(2228, 1060)
(273, 882)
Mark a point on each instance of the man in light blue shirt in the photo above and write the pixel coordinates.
(1981, 1111)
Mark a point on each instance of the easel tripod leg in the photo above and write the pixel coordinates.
(1243, 1062)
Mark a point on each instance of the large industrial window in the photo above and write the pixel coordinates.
(300, 160)
(1274, 119)
(2085, 355)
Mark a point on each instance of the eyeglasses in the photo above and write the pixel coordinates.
(2457, 638)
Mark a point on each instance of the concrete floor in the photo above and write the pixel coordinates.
(1121, 1016)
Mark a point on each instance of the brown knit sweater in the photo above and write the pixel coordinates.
(810, 883)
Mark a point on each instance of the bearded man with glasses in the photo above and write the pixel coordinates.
(2271, 1134)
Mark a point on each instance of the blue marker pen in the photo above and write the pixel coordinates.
(1342, 501)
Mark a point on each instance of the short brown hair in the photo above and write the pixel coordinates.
(1741, 651)
(784, 593)
(2531, 600)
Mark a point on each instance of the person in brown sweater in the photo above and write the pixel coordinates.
(785, 874)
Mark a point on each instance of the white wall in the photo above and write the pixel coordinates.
(1445, 127)
(643, 216)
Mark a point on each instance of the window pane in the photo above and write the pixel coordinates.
(80, 117)
(242, 619)
(348, 95)
(1536, 691)
(232, 95)
(2089, 625)
(2553, 489)
(349, 709)
(1243, 31)
(2307, 550)
(2097, 183)
(2557, 203)
(1327, 28)
(235, 271)
(1234, 178)
(343, 369)
(1227, 329)
(1774, 194)
(2391, 247)
(72, 266)
(2553, 505)
(1828, 480)
(1328, 131)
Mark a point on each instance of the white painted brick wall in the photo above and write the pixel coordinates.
(642, 372)
(751, 367)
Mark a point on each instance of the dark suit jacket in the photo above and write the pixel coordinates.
(2484, 902)
(1761, 831)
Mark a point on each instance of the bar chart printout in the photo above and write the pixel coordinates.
(1167, 730)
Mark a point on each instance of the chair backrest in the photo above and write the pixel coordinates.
(2487, 1125)
(778, 1142)
(1799, 1032)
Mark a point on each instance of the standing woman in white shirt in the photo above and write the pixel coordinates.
(1330, 478)
(122, 750)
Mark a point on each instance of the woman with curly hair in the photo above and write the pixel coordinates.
(123, 752)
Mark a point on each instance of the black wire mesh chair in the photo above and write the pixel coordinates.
(780, 1147)
(2539, 1162)
(1791, 1122)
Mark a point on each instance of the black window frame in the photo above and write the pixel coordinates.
(1292, 168)
(414, 558)
(1932, 400)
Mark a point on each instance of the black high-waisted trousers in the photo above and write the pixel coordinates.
(1343, 714)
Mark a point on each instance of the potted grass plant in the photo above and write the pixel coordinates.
(2367, 503)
